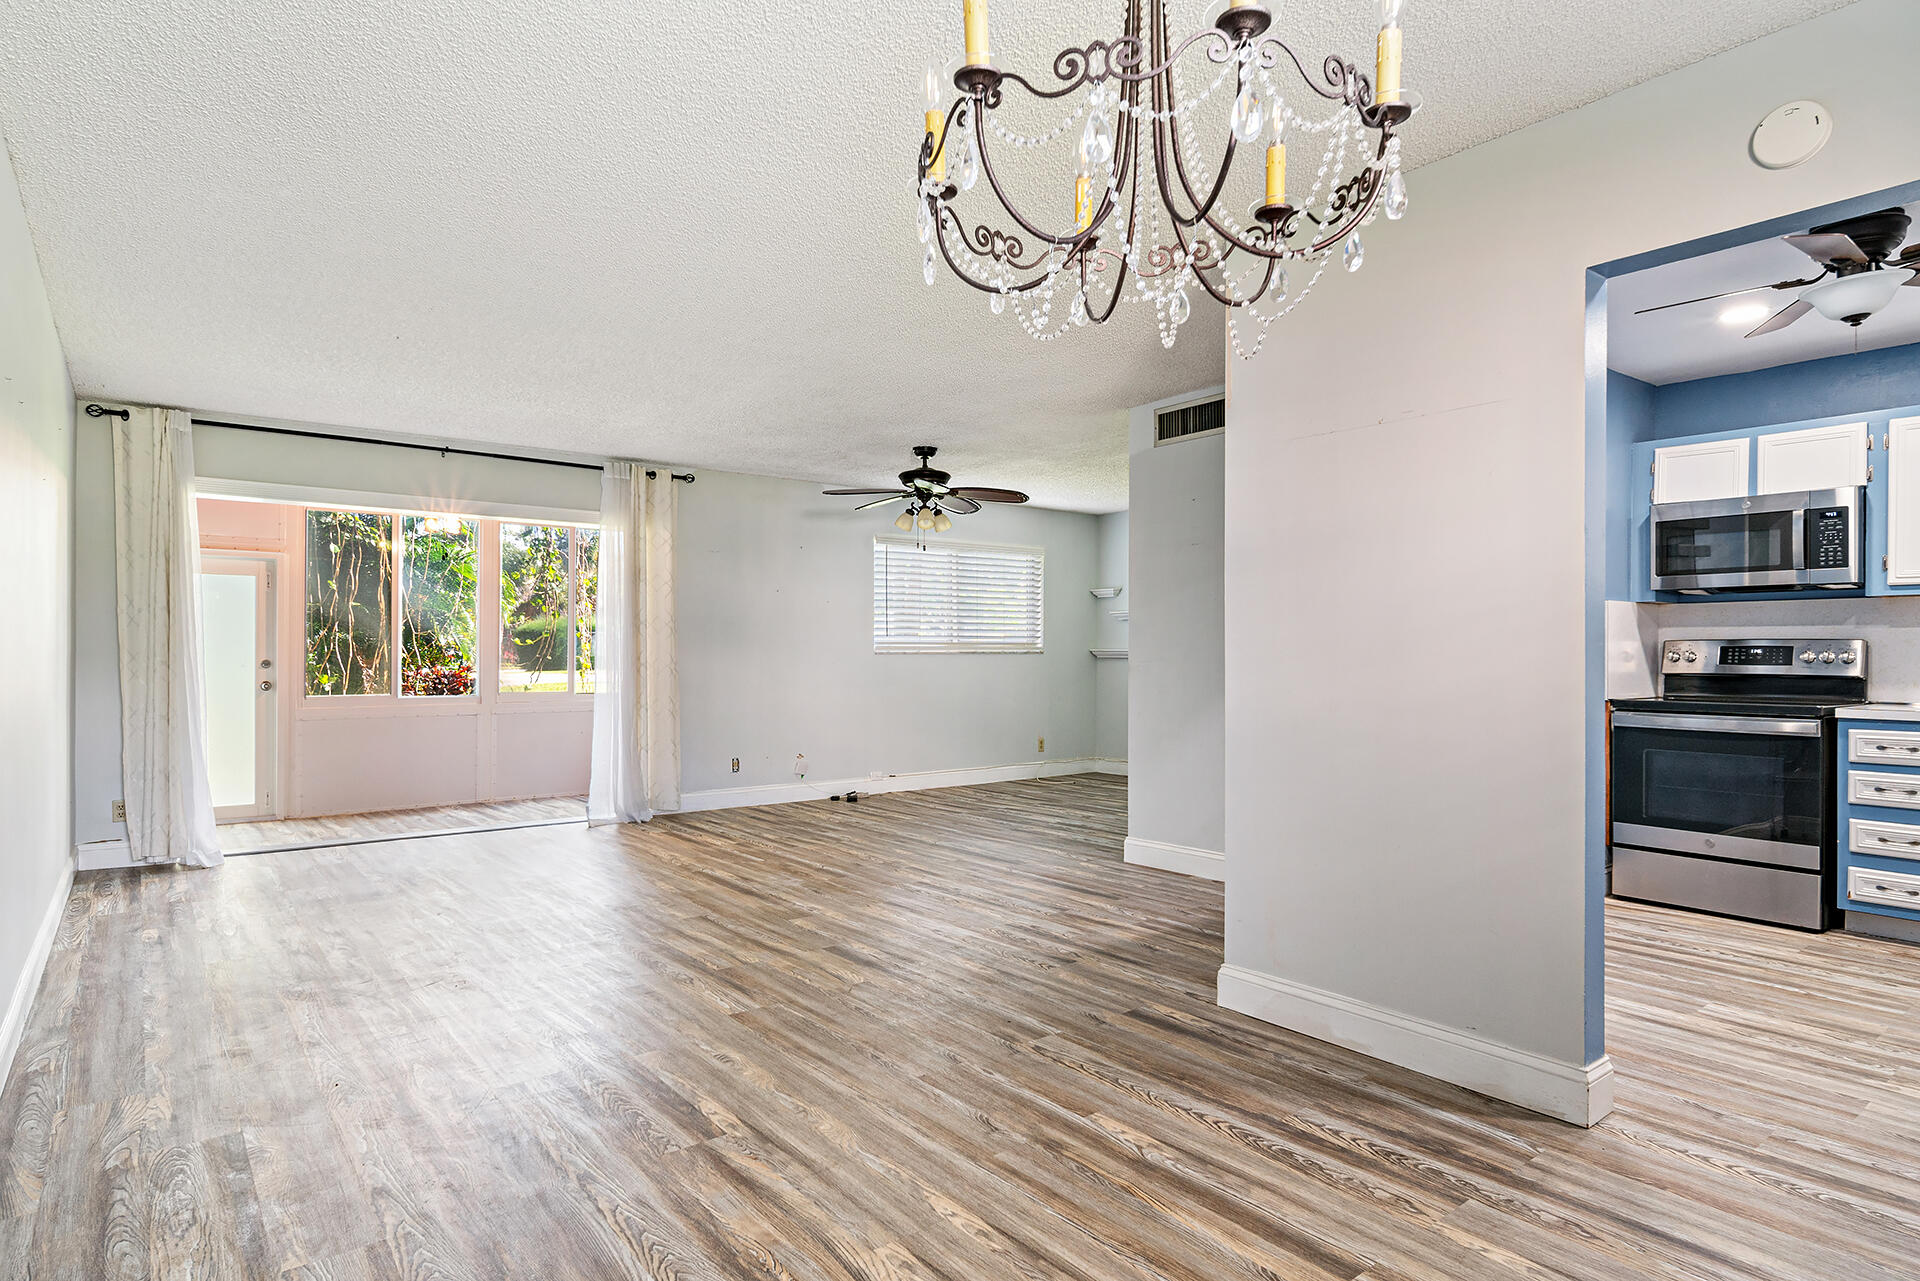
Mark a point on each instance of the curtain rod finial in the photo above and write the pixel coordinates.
(101, 411)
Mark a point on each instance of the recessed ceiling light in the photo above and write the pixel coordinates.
(1745, 313)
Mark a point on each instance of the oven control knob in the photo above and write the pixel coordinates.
(1828, 656)
(1691, 656)
(1848, 656)
(1673, 656)
(1808, 656)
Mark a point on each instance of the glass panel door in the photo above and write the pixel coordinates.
(241, 685)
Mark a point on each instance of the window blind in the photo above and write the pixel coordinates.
(956, 597)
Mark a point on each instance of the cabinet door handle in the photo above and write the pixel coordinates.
(1888, 889)
(1904, 791)
(1888, 840)
(1905, 747)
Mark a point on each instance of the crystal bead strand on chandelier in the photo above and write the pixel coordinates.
(1150, 222)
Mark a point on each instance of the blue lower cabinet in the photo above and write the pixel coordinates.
(1879, 812)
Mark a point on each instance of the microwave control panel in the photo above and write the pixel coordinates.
(1827, 538)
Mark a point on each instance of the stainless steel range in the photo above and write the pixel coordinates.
(1723, 787)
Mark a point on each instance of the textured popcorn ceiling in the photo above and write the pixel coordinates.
(677, 232)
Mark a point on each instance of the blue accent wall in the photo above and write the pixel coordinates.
(1842, 387)
(1630, 422)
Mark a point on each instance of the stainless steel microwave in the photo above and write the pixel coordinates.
(1770, 542)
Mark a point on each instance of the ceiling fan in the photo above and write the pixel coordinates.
(929, 500)
(1859, 255)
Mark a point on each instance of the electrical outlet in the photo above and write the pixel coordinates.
(799, 765)
(119, 811)
(736, 764)
(1043, 744)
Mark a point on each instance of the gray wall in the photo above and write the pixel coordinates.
(1415, 839)
(1110, 633)
(776, 645)
(36, 477)
(1176, 697)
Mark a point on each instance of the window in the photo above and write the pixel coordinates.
(352, 558)
(349, 603)
(1183, 422)
(439, 598)
(547, 578)
(956, 597)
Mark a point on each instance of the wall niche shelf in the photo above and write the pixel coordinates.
(1117, 615)
(1108, 653)
(1105, 593)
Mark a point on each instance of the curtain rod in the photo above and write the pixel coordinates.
(101, 411)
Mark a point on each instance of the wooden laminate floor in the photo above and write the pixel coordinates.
(942, 1034)
(387, 825)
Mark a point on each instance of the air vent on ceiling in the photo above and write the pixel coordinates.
(1184, 422)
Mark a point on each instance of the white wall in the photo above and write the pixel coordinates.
(1176, 698)
(1110, 633)
(36, 485)
(1411, 620)
(775, 608)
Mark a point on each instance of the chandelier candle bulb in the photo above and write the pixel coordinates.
(976, 19)
(937, 167)
(1083, 202)
(1387, 60)
(1277, 161)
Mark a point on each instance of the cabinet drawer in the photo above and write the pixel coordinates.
(1884, 746)
(1889, 840)
(1884, 889)
(1900, 791)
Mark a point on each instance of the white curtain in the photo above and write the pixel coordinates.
(163, 718)
(636, 680)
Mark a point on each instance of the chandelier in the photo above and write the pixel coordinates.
(1152, 218)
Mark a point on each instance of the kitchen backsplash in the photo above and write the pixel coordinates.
(1889, 624)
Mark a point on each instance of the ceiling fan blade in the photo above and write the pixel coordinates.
(958, 504)
(986, 494)
(840, 493)
(1784, 317)
(1731, 293)
(1829, 246)
(882, 502)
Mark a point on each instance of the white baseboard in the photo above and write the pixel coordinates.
(14, 1024)
(1579, 1093)
(93, 856)
(1185, 859)
(721, 798)
(1106, 765)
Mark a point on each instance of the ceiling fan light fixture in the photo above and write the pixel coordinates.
(942, 522)
(1744, 315)
(904, 521)
(925, 520)
(1856, 297)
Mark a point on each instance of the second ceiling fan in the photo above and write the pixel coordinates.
(928, 497)
(1863, 257)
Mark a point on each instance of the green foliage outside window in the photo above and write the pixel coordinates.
(533, 607)
(349, 594)
(440, 584)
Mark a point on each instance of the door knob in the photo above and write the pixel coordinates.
(266, 685)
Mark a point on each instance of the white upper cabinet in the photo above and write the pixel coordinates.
(1694, 473)
(1903, 501)
(1815, 458)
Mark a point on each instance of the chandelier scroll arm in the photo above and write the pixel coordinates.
(983, 286)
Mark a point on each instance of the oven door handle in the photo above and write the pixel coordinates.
(1717, 724)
